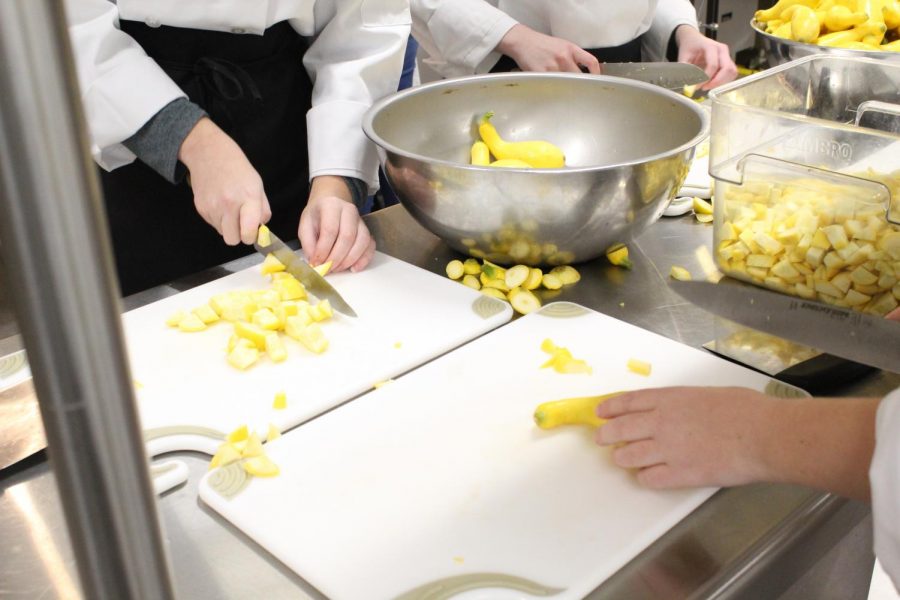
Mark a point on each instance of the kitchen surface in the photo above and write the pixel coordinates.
(311, 434)
(760, 540)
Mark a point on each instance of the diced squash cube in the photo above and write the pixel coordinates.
(854, 298)
(206, 314)
(883, 304)
(323, 268)
(253, 447)
(786, 271)
(225, 455)
(238, 435)
(272, 433)
(271, 265)
(175, 318)
(321, 311)
(280, 401)
(842, 282)
(191, 323)
(264, 236)
(701, 206)
(862, 276)
(266, 298)
(820, 240)
(825, 287)
(260, 466)
(760, 260)
(836, 235)
(243, 355)
(275, 347)
(289, 289)
(680, 273)
(254, 333)
(768, 244)
(267, 319)
(312, 337)
(639, 366)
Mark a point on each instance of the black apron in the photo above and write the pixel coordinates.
(256, 89)
(628, 52)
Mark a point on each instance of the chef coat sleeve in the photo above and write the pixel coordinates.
(458, 37)
(159, 140)
(356, 58)
(121, 87)
(669, 15)
(884, 478)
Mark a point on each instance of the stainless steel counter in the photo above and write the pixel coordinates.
(760, 541)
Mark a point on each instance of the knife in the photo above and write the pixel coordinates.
(670, 75)
(850, 334)
(299, 268)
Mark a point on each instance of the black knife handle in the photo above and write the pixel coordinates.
(824, 374)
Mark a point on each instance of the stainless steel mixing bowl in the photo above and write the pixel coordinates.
(628, 147)
(779, 50)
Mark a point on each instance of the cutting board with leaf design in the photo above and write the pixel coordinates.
(440, 482)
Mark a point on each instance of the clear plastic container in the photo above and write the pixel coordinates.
(806, 163)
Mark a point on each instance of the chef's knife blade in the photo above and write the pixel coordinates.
(840, 331)
(670, 75)
(299, 268)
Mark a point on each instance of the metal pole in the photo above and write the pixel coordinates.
(56, 247)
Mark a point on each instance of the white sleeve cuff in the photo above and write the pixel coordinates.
(884, 478)
(349, 154)
(116, 108)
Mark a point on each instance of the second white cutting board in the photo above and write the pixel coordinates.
(440, 481)
(407, 316)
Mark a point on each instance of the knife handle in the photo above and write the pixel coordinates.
(824, 374)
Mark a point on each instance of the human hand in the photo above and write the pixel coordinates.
(710, 55)
(535, 51)
(228, 192)
(894, 315)
(331, 228)
(688, 436)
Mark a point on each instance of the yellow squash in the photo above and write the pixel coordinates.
(537, 153)
(571, 411)
(480, 154)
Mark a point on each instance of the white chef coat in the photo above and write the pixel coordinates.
(458, 37)
(884, 478)
(356, 57)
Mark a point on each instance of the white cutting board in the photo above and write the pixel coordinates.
(406, 316)
(442, 473)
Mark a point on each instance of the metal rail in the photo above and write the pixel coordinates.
(56, 248)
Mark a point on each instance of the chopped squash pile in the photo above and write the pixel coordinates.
(261, 318)
(246, 447)
(562, 361)
(814, 239)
